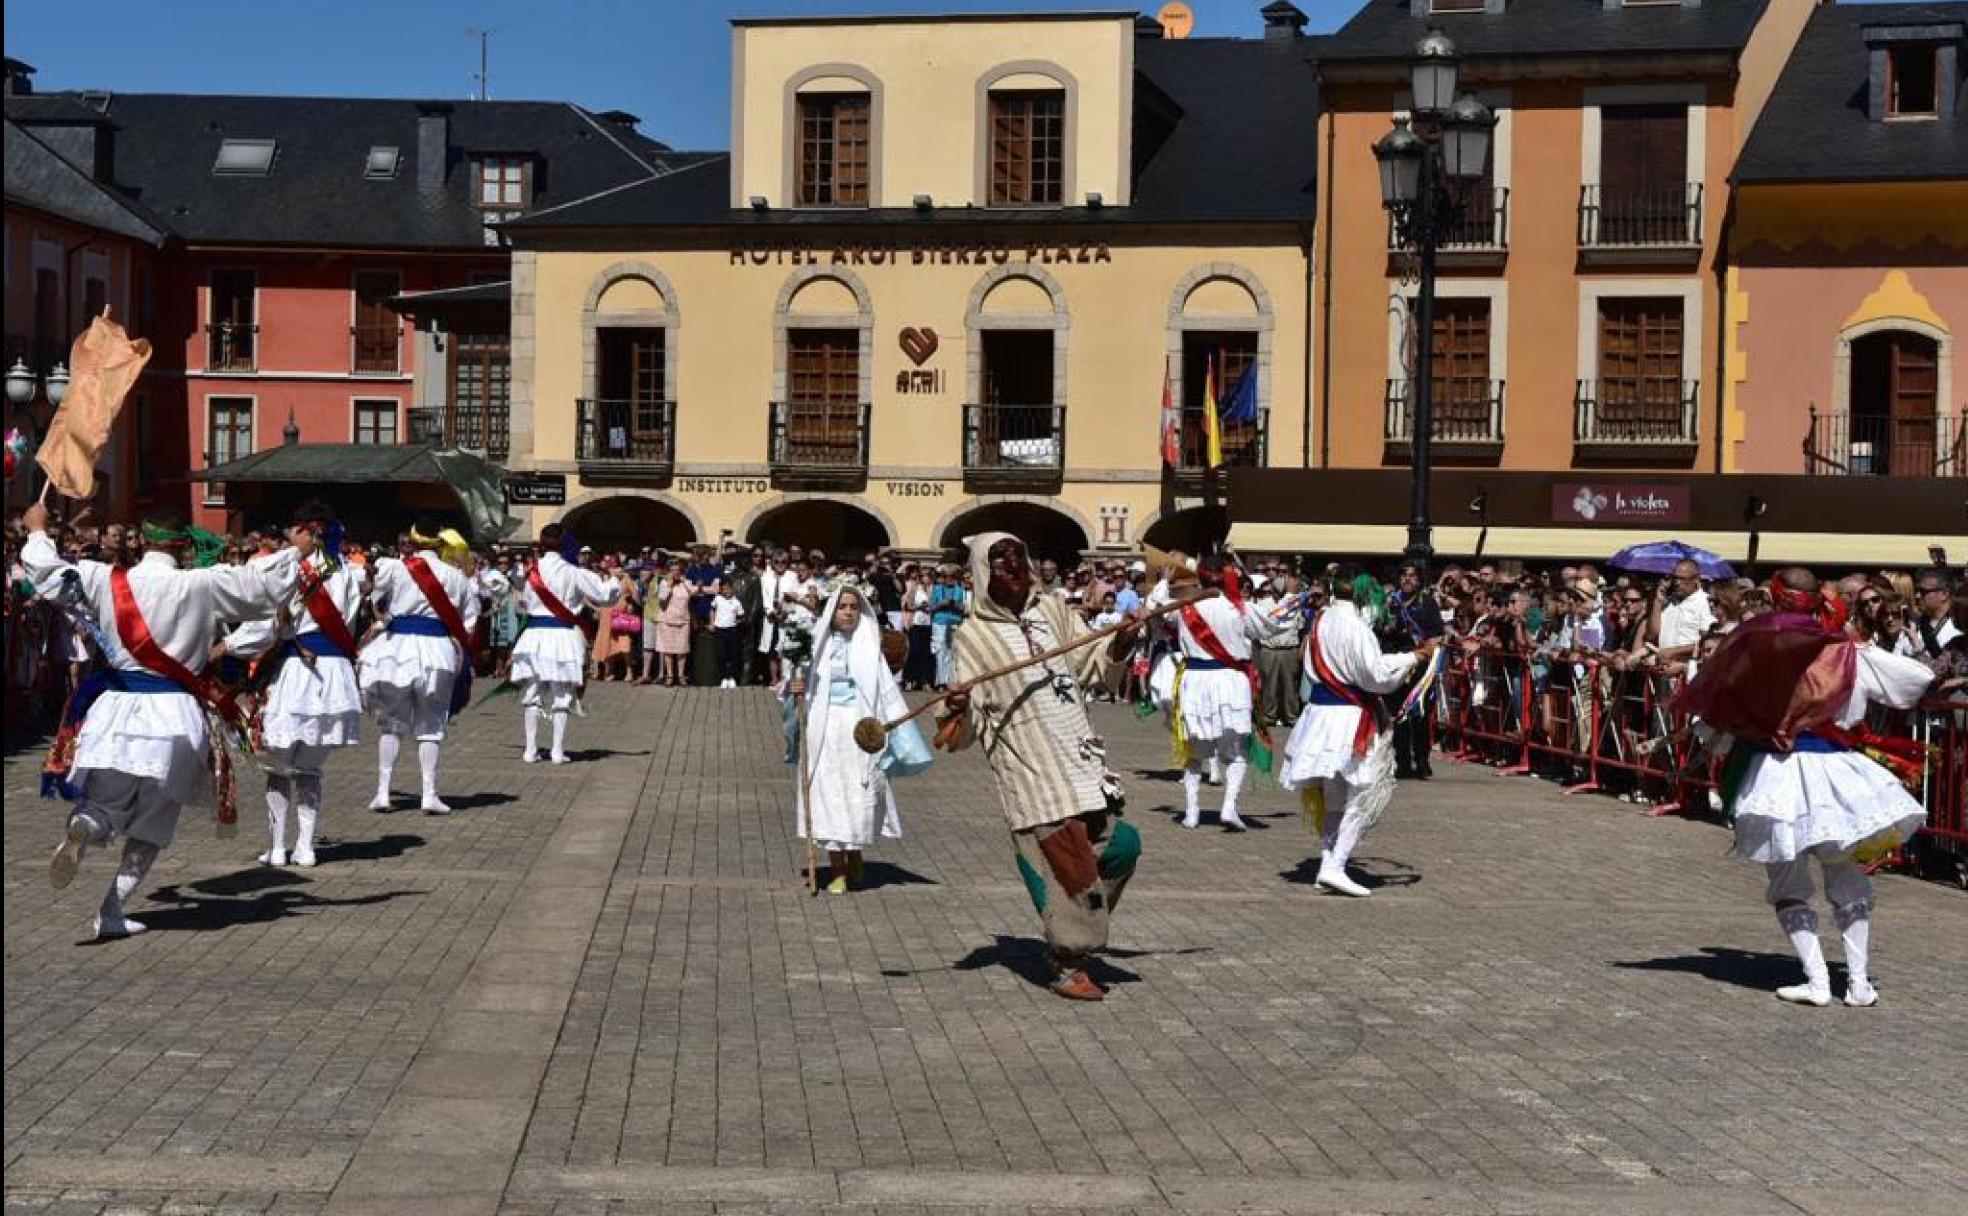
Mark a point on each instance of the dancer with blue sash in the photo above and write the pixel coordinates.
(550, 659)
(412, 672)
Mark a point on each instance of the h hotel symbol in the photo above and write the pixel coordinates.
(1114, 518)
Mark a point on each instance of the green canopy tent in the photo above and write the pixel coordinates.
(376, 489)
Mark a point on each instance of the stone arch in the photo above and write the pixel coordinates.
(593, 500)
(668, 318)
(981, 137)
(765, 508)
(976, 321)
(1841, 358)
(948, 535)
(1182, 322)
(789, 124)
(862, 320)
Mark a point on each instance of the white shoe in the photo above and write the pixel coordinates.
(1192, 819)
(560, 758)
(1336, 881)
(529, 757)
(275, 857)
(381, 802)
(1232, 822)
(580, 708)
(433, 805)
(1805, 994)
(124, 927)
(304, 858)
(68, 854)
(1860, 994)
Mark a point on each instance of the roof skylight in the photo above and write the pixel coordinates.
(382, 161)
(245, 158)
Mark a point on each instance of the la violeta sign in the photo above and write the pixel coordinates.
(1583, 502)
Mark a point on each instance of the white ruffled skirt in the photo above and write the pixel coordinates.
(407, 660)
(159, 735)
(1321, 746)
(1791, 804)
(1215, 703)
(321, 708)
(547, 653)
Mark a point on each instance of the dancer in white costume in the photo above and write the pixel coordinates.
(551, 655)
(141, 753)
(1340, 744)
(844, 790)
(1215, 695)
(410, 672)
(312, 704)
(1800, 787)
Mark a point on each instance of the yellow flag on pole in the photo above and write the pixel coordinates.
(1212, 425)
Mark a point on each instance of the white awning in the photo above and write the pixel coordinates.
(1596, 544)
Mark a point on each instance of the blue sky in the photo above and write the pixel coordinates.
(668, 61)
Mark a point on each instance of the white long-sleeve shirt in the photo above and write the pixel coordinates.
(343, 587)
(571, 585)
(183, 608)
(1235, 627)
(1881, 677)
(396, 594)
(1352, 653)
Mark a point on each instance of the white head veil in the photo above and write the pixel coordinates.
(875, 692)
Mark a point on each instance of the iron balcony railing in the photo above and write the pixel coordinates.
(232, 346)
(488, 431)
(624, 433)
(819, 437)
(1244, 443)
(1484, 223)
(1635, 410)
(1014, 440)
(374, 350)
(1464, 411)
(1861, 445)
(1666, 215)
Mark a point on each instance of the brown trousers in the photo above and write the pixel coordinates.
(1075, 871)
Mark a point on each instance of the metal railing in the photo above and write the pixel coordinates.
(1014, 439)
(1669, 214)
(1244, 443)
(488, 431)
(1464, 411)
(374, 350)
(232, 346)
(818, 438)
(1862, 445)
(1636, 410)
(1483, 224)
(625, 433)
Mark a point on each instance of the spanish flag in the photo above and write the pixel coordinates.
(1212, 425)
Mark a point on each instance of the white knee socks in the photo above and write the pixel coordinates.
(1800, 924)
(532, 732)
(1192, 789)
(1233, 784)
(307, 811)
(137, 859)
(427, 761)
(279, 793)
(1855, 926)
(387, 747)
(1345, 838)
(560, 736)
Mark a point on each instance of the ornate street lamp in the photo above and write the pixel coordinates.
(58, 384)
(20, 383)
(1428, 164)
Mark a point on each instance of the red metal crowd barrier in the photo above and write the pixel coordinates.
(1598, 728)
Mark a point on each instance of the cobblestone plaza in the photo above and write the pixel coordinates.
(602, 987)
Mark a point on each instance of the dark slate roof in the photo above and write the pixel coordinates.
(62, 108)
(317, 193)
(1235, 143)
(362, 462)
(1814, 127)
(40, 178)
(1388, 29)
(475, 293)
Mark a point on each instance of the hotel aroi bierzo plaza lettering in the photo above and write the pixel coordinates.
(946, 253)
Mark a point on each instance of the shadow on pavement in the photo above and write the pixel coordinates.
(381, 849)
(1370, 872)
(190, 913)
(1743, 968)
(478, 801)
(1025, 957)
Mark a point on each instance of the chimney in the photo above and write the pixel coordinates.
(433, 145)
(1282, 20)
(20, 78)
(619, 118)
(290, 435)
(1148, 27)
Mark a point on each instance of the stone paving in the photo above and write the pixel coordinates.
(602, 988)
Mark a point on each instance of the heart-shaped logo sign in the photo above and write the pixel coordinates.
(918, 344)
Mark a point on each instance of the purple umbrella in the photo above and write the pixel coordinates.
(1661, 556)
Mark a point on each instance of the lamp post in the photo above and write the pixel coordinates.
(1428, 162)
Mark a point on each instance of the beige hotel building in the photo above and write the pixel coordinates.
(934, 288)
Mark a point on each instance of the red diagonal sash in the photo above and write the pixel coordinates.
(133, 632)
(1214, 647)
(552, 604)
(1363, 736)
(447, 612)
(321, 606)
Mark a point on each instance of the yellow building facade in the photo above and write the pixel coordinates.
(938, 286)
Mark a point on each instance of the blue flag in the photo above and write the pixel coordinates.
(1239, 405)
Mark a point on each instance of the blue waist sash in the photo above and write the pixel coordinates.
(1808, 742)
(546, 622)
(316, 643)
(419, 626)
(1322, 695)
(1195, 664)
(138, 681)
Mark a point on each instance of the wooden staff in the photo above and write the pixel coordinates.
(806, 789)
(871, 734)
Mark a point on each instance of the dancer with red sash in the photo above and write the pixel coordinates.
(1790, 691)
(1216, 697)
(410, 672)
(142, 749)
(312, 703)
(1340, 756)
(552, 653)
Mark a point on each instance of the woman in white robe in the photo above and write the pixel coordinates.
(843, 789)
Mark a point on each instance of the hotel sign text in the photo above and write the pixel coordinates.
(954, 253)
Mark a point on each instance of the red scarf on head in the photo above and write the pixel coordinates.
(1826, 608)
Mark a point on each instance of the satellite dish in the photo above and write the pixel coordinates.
(1176, 18)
